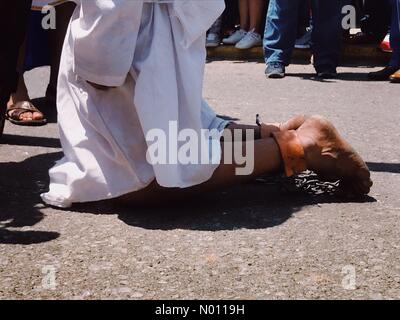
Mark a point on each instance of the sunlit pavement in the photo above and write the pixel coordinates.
(252, 242)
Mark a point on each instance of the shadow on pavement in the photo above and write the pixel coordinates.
(251, 206)
(342, 76)
(384, 167)
(16, 140)
(20, 187)
(245, 207)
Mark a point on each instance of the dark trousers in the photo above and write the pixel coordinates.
(395, 34)
(13, 24)
(378, 18)
(281, 31)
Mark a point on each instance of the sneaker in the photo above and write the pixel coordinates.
(385, 45)
(275, 70)
(382, 75)
(250, 40)
(213, 40)
(305, 41)
(235, 37)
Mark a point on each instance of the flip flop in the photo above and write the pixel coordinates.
(15, 111)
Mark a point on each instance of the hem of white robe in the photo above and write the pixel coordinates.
(61, 202)
(103, 80)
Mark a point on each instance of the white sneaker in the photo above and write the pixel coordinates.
(250, 40)
(213, 40)
(235, 37)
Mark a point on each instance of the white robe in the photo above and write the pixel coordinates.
(154, 55)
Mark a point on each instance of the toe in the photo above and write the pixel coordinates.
(26, 116)
(37, 116)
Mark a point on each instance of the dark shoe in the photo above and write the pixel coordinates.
(395, 77)
(328, 72)
(382, 75)
(51, 97)
(362, 38)
(275, 70)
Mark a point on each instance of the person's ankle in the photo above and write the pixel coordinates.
(292, 152)
(18, 97)
(311, 150)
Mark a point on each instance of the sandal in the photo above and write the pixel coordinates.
(14, 113)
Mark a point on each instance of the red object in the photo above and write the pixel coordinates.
(385, 45)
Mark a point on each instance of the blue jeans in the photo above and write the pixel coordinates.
(395, 34)
(280, 31)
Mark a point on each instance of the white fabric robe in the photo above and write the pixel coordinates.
(154, 55)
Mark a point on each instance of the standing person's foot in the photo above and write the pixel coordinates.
(213, 40)
(275, 70)
(326, 72)
(361, 38)
(382, 75)
(305, 41)
(235, 37)
(250, 40)
(24, 113)
(395, 77)
(21, 111)
(317, 145)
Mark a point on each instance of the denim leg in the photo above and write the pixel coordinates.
(281, 30)
(327, 33)
(216, 27)
(395, 35)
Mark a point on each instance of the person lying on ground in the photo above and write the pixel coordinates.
(131, 71)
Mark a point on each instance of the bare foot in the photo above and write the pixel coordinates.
(21, 99)
(332, 158)
(24, 111)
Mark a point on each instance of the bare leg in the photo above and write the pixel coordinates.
(244, 14)
(326, 152)
(266, 129)
(256, 13)
(267, 159)
(22, 92)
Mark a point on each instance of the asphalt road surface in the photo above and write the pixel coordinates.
(257, 241)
